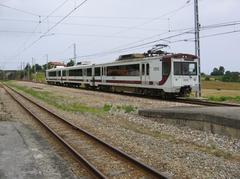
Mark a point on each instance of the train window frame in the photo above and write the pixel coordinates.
(166, 68)
(59, 73)
(143, 69)
(89, 71)
(64, 73)
(148, 69)
(52, 72)
(184, 68)
(124, 70)
(75, 72)
(97, 71)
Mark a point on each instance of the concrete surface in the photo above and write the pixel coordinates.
(228, 118)
(24, 154)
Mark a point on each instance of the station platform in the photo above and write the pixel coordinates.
(226, 117)
(24, 154)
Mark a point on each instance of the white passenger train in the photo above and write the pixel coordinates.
(151, 74)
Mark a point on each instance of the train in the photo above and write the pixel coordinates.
(162, 74)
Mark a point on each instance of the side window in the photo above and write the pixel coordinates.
(143, 69)
(97, 71)
(177, 68)
(64, 73)
(52, 73)
(89, 71)
(59, 73)
(166, 67)
(123, 70)
(148, 68)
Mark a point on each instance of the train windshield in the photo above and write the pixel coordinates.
(185, 68)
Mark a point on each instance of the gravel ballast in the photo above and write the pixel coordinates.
(178, 151)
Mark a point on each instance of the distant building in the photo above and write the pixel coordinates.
(56, 64)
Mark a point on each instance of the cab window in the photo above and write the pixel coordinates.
(185, 68)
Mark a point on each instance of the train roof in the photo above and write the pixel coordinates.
(186, 56)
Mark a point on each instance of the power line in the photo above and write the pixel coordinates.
(135, 46)
(187, 3)
(58, 7)
(187, 31)
(207, 36)
(22, 32)
(40, 21)
(109, 18)
(171, 42)
(20, 10)
(55, 25)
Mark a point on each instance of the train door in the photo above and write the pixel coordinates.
(84, 74)
(67, 74)
(145, 72)
(104, 74)
(177, 72)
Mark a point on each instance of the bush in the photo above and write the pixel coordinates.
(207, 78)
(128, 108)
(107, 107)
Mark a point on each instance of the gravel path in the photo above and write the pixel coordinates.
(24, 153)
(179, 151)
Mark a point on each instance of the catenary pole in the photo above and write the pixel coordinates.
(197, 44)
(75, 53)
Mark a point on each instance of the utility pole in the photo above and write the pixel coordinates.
(47, 61)
(74, 53)
(33, 68)
(28, 71)
(197, 44)
(24, 71)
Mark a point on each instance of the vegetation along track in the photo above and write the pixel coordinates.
(101, 159)
(179, 100)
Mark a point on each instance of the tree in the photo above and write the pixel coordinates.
(221, 70)
(44, 67)
(214, 72)
(71, 63)
(231, 77)
(218, 71)
(38, 67)
(27, 67)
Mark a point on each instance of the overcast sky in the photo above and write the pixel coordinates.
(105, 29)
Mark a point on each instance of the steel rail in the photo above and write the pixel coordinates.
(143, 166)
(78, 156)
(204, 103)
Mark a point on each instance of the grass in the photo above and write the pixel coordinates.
(39, 77)
(221, 91)
(224, 98)
(57, 101)
(219, 85)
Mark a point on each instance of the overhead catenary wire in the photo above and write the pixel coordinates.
(143, 46)
(116, 50)
(207, 36)
(148, 45)
(40, 21)
(52, 27)
(20, 10)
(188, 2)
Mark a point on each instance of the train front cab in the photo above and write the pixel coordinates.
(185, 74)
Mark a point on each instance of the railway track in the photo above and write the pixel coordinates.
(203, 103)
(102, 160)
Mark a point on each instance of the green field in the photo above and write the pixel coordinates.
(221, 91)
